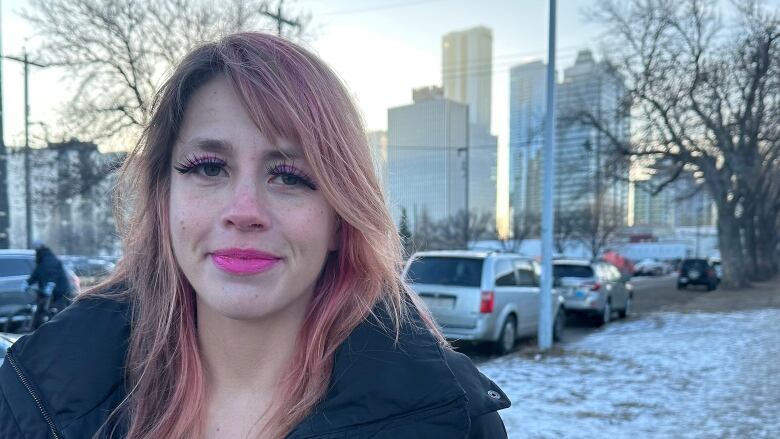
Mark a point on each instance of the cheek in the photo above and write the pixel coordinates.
(314, 226)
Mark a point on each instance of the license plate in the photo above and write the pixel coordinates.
(439, 302)
(683, 279)
(579, 294)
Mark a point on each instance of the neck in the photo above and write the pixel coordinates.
(247, 358)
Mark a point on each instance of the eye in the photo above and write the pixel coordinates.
(291, 176)
(290, 180)
(206, 166)
(211, 169)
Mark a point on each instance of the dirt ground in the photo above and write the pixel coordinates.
(662, 295)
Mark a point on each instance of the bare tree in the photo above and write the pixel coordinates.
(525, 225)
(705, 97)
(119, 51)
(595, 227)
(456, 231)
(565, 228)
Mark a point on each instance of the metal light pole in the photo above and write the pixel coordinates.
(545, 297)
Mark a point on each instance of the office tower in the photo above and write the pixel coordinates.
(467, 78)
(587, 175)
(527, 98)
(426, 156)
(467, 71)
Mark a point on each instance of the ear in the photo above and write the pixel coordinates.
(335, 238)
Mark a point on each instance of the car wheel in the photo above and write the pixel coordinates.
(626, 311)
(711, 286)
(681, 286)
(506, 341)
(606, 313)
(559, 324)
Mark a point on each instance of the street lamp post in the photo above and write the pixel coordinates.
(545, 298)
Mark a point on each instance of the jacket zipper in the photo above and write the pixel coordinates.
(37, 400)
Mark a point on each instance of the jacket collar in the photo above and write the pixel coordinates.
(377, 380)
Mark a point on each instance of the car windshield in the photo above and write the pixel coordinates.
(463, 272)
(562, 270)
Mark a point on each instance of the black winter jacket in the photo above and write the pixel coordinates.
(48, 268)
(64, 379)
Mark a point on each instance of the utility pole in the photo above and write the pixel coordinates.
(279, 18)
(5, 211)
(545, 296)
(27, 191)
(466, 166)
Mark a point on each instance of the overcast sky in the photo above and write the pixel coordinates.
(381, 49)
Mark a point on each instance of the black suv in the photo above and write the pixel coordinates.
(697, 272)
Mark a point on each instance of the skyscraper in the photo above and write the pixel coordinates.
(586, 175)
(426, 142)
(527, 97)
(466, 71)
(467, 78)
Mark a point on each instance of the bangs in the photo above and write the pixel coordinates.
(277, 93)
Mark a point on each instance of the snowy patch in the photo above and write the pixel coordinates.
(665, 375)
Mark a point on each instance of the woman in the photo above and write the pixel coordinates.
(259, 294)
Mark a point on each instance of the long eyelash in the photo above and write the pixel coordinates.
(282, 169)
(193, 161)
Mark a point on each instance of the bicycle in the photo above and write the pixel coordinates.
(36, 313)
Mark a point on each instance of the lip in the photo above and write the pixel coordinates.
(243, 261)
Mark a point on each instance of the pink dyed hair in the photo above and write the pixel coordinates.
(290, 94)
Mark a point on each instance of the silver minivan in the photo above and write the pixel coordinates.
(482, 296)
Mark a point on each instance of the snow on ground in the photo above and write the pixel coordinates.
(664, 375)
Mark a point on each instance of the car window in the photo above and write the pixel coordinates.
(505, 275)
(564, 270)
(525, 276)
(466, 272)
(15, 267)
(698, 264)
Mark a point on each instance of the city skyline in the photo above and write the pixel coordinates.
(381, 50)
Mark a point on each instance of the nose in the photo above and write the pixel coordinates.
(247, 209)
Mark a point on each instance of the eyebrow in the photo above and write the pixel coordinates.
(225, 147)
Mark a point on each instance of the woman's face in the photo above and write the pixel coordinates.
(251, 229)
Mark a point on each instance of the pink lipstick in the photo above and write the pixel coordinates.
(243, 262)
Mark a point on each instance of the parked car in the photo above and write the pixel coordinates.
(718, 268)
(482, 296)
(697, 272)
(6, 340)
(596, 289)
(15, 267)
(651, 267)
(89, 270)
